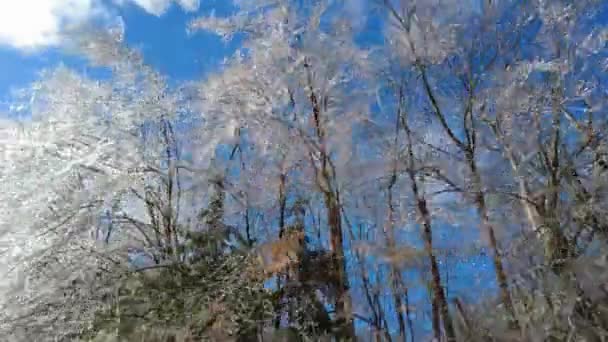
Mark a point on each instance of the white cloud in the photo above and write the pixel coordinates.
(159, 7)
(34, 24)
(29, 24)
(189, 5)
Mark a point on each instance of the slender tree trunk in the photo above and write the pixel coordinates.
(398, 285)
(542, 217)
(343, 301)
(280, 277)
(482, 211)
(375, 323)
(408, 315)
(282, 203)
(395, 274)
(334, 218)
(399, 306)
(439, 302)
(468, 148)
(557, 249)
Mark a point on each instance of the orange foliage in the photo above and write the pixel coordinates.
(277, 256)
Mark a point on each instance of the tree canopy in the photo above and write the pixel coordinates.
(444, 178)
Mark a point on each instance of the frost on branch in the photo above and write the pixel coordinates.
(67, 160)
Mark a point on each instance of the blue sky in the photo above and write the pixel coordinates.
(155, 27)
(32, 33)
(33, 40)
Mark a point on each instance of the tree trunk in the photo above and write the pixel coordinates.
(334, 218)
(395, 274)
(482, 211)
(343, 299)
(439, 301)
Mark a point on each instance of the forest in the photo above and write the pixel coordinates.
(435, 170)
